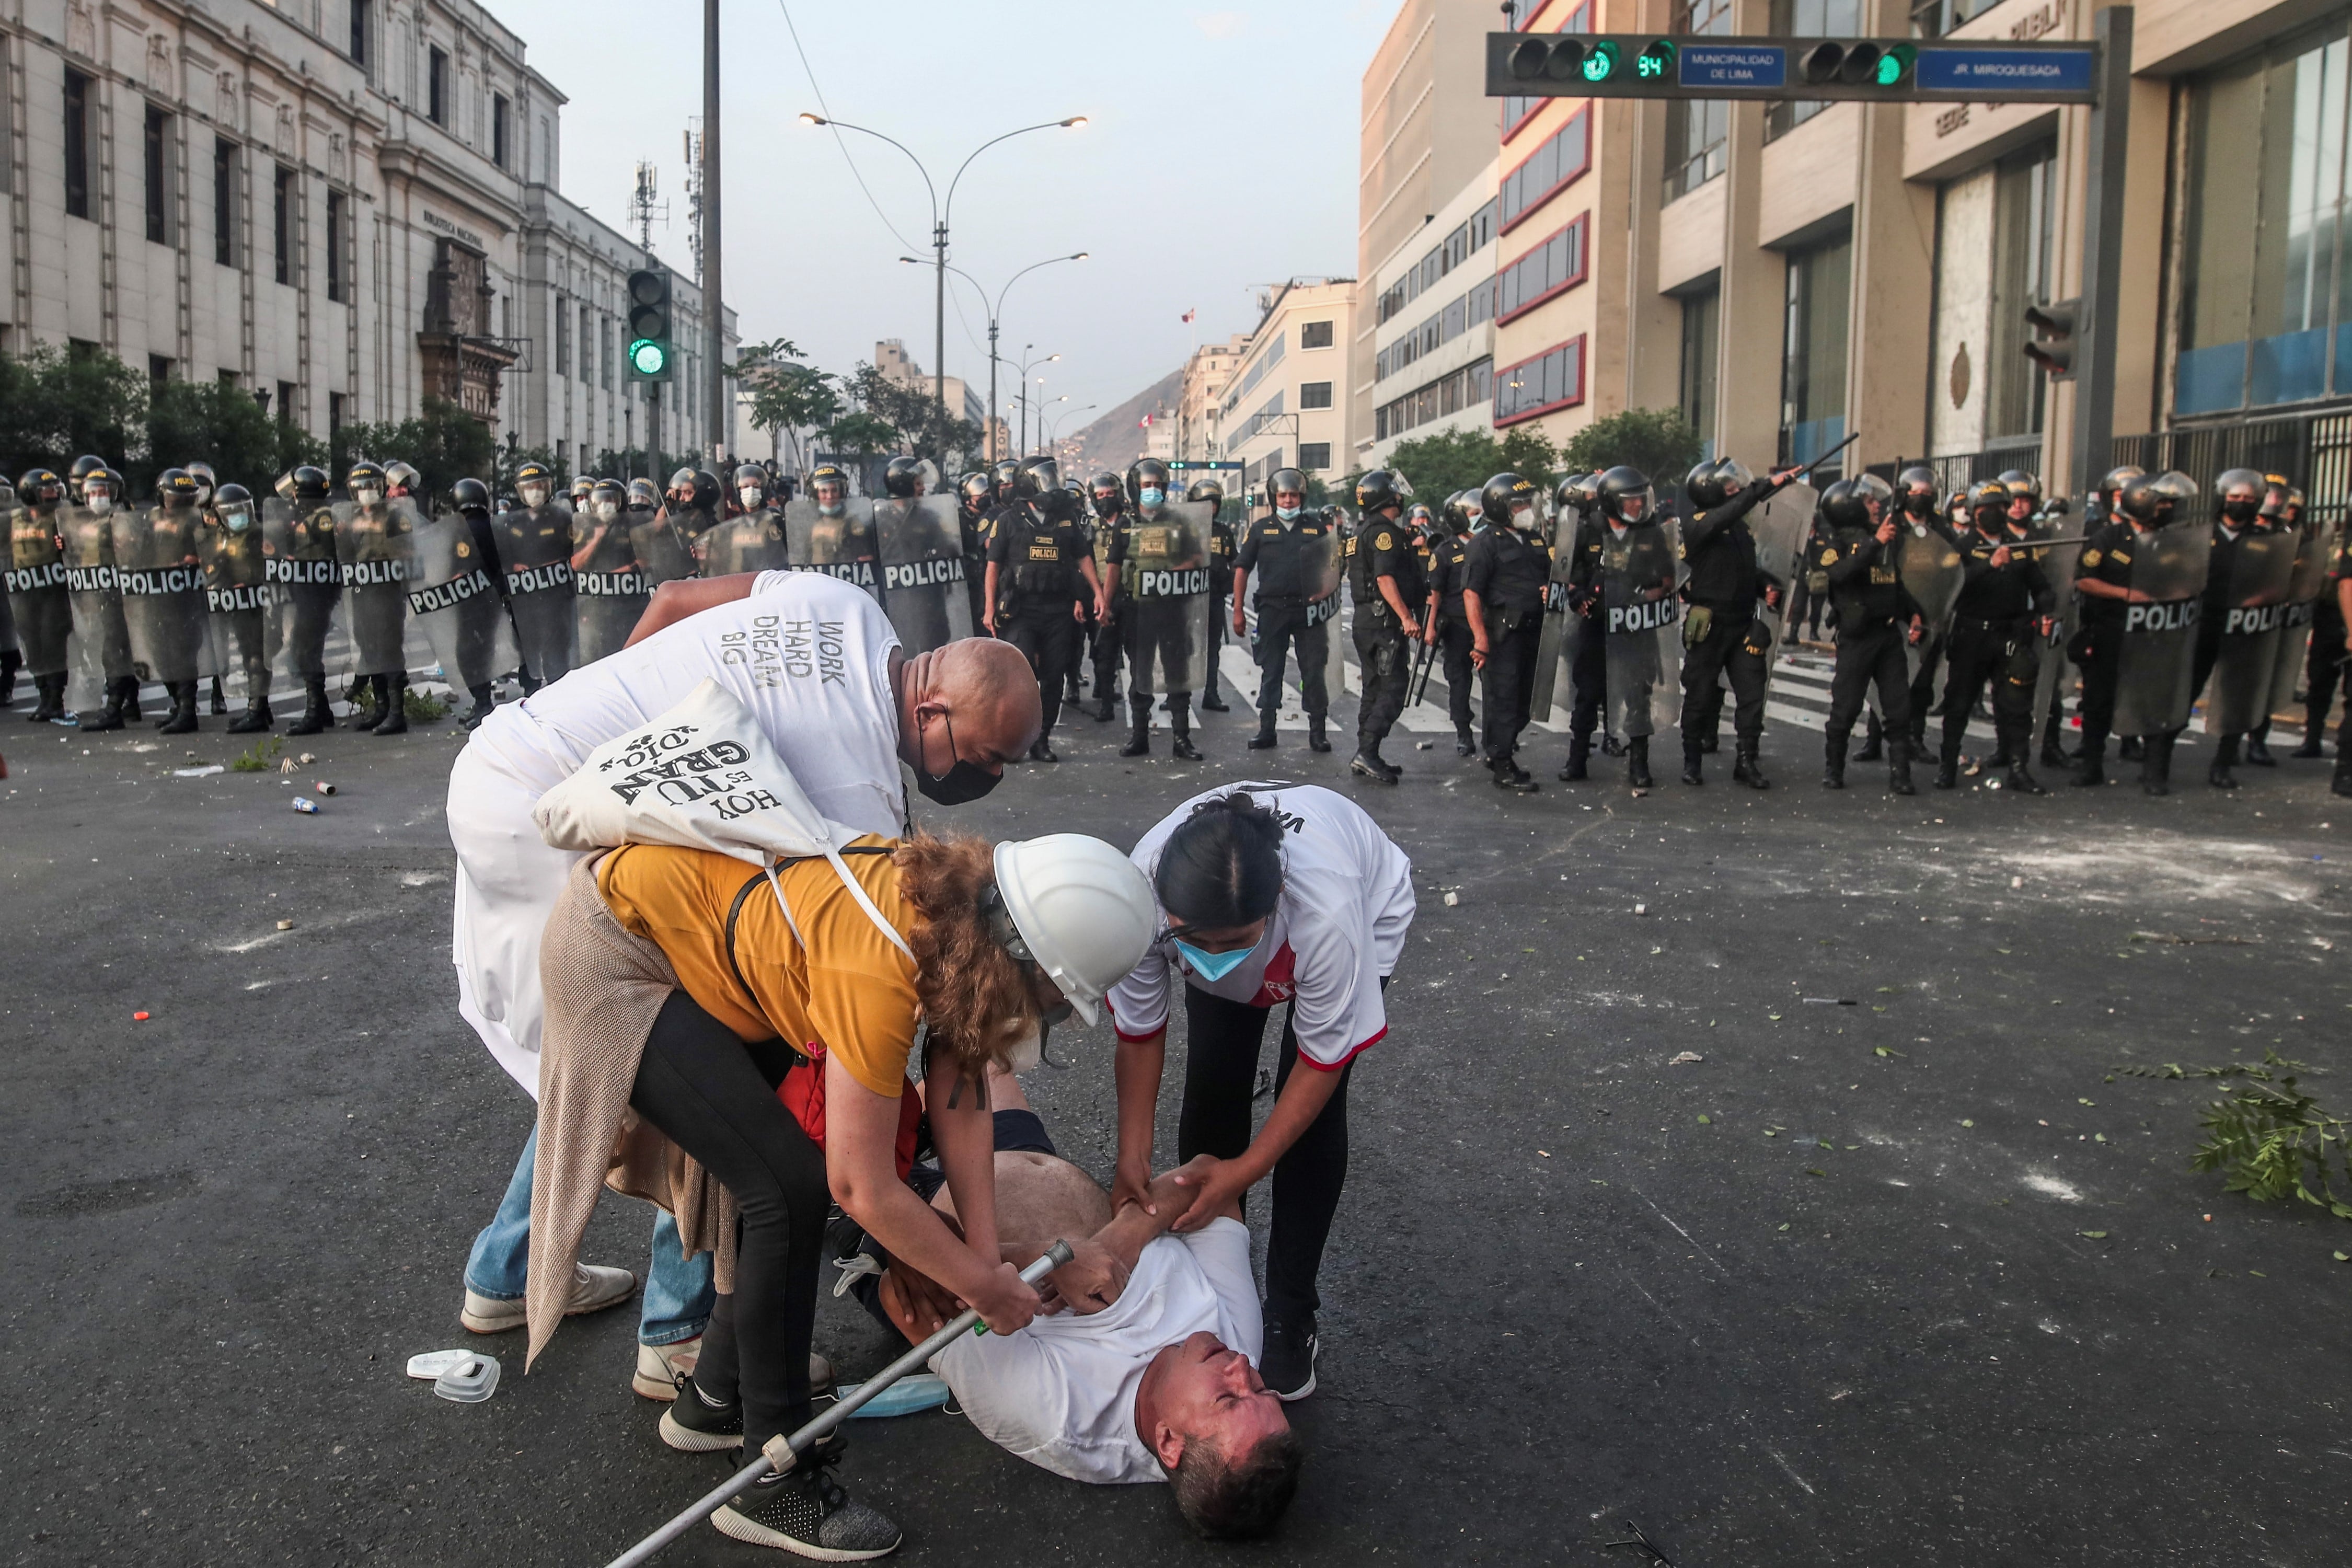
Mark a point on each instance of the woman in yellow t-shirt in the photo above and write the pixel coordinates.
(683, 985)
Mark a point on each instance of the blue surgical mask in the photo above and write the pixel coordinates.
(1288, 513)
(1213, 966)
(1153, 497)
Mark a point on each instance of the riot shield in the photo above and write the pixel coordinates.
(610, 592)
(842, 546)
(2058, 564)
(158, 562)
(752, 544)
(38, 599)
(1932, 570)
(663, 554)
(242, 601)
(535, 545)
(298, 543)
(375, 545)
(1781, 522)
(2304, 587)
(1563, 630)
(451, 596)
(1639, 571)
(1322, 567)
(922, 563)
(1168, 637)
(2253, 616)
(2155, 659)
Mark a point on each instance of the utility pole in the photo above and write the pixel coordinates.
(714, 333)
(993, 453)
(939, 327)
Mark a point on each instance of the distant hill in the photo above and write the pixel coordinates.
(1116, 439)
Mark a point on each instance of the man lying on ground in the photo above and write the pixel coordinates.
(1145, 1378)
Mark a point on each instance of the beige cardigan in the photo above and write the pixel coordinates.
(604, 989)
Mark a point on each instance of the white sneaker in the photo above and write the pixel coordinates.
(660, 1366)
(594, 1287)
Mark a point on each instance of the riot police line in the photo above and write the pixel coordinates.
(313, 590)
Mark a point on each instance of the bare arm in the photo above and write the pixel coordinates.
(1295, 1109)
(1476, 608)
(674, 601)
(1396, 601)
(988, 601)
(1241, 582)
(1136, 1069)
(579, 557)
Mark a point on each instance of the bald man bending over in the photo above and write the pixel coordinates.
(815, 663)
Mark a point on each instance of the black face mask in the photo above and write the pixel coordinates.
(962, 784)
(2241, 512)
(1919, 505)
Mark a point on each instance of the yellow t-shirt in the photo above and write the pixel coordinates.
(851, 992)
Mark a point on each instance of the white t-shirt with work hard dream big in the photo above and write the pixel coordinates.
(1338, 928)
(809, 656)
(1061, 1392)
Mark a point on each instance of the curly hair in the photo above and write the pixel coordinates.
(976, 997)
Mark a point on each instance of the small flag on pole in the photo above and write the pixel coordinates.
(1145, 422)
(1193, 312)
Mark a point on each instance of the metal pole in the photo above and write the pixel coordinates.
(993, 453)
(2103, 245)
(714, 334)
(939, 333)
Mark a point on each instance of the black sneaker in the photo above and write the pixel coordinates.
(806, 1512)
(692, 1425)
(1288, 1364)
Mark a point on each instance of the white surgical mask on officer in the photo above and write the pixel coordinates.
(750, 494)
(606, 510)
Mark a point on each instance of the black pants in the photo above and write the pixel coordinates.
(1453, 645)
(1588, 678)
(1923, 685)
(2324, 666)
(1223, 1040)
(2004, 654)
(1217, 613)
(1281, 628)
(1815, 604)
(1047, 637)
(1385, 660)
(1864, 659)
(2100, 672)
(1727, 652)
(1108, 638)
(1157, 634)
(1506, 686)
(716, 1098)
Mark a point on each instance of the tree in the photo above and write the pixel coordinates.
(914, 415)
(443, 443)
(1658, 441)
(859, 435)
(1453, 460)
(57, 404)
(222, 423)
(786, 398)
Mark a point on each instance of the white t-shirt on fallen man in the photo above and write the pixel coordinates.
(1061, 1392)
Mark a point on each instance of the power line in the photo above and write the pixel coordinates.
(838, 140)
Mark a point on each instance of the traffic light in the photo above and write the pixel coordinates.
(1859, 63)
(2053, 345)
(650, 349)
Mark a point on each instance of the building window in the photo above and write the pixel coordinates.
(1812, 359)
(1934, 18)
(2266, 306)
(1697, 129)
(77, 144)
(498, 128)
(360, 19)
(159, 176)
(436, 87)
(587, 344)
(1702, 320)
(2025, 223)
(1314, 455)
(1808, 19)
(286, 410)
(336, 259)
(282, 223)
(1554, 266)
(224, 201)
(1314, 335)
(604, 349)
(159, 370)
(1562, 159)
(1540, 384)
(1517, 111)
(563, 336)
(1314, 394)
(336, 414)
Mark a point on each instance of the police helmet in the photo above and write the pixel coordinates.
(1380, 487)
(403, 477)
(2145, 498)
(233, 497)
(285, 485)
(681, 479)
(750, 476)
(2022, 486)
(706, 492)
(1420, 515)
(2120, 476)
(470, 495)
(1004, 475)
(1918, 477)
(1704, 487)
(532, 476)
(828, 474)
(365, 476)
(83, 466)
(2234, 480)
(1209, 491)
(1733, 475)
(1147, 473)
(1842, 505)
(608, 492)
(1504, 496)
(311, 482)
(582, 486)
(905, 477)
(1626, 496)
(2274, 496)
(177, 487)
(207, 482)
(1045, 471)
(41, 487)
(978, 489)
(1285, 481)
(643, 494)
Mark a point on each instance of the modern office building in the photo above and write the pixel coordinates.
(1289, 402)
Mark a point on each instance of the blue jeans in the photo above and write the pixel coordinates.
(678, 1294)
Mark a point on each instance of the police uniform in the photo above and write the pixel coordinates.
(1508, 572)
(537, 551)
(1109, 637)
(1722, 639)
(2324, 665)
(1874, 612)
(1287, 560)
(2097, 646)
(1448, 559)
(973, 527)
(41, 608)
(2341, 572)
(1382, 547)
(1037, 562)
(1220, 588)
(1588, 679)
(1993, 640)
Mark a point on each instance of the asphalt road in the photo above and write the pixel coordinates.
(1908, 1281)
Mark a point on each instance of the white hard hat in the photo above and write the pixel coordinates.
(1084, 910)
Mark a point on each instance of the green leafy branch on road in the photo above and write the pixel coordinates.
(258, 759)
(2270, 1138)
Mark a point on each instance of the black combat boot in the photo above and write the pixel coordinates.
(1580, 754)
(2053, 744)
(130, 710)
(182, 719)
(2020, 776)
(1102, 709)
(258, 718)
(220, 700)
(2219, 774)
(1368, 763)
(318, 713)
(109, 715)
(11, 661)
(1947, 764)
(2315, 727)
(1465, 744)
(1042, 751)
(1898, 767)
(2258, 746)
(1874, 739)
(2090, 762)
(1263, 739)
(2133, 749)
(1317, 741)
(1637, 762)
(1508, 777)
(1693, 765)
(1711, 743)
(2342, 782)
(391, 696)
(1179, 725)
(2155, 764)
(1212, 703)
(1139, 732)
(1833, 759)
(485, 704)
(1747, 767)
(52, 704)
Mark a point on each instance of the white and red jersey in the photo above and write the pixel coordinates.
(1337, 931)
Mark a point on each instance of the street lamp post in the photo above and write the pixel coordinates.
(940, 213)
(1026, 364)
(994, 312)
(1054, 433)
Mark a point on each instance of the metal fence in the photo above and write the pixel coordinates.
(2314, 451)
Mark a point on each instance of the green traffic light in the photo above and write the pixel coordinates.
(647, 357)
(1657, 62)
(1895, 65)
(1601, 63)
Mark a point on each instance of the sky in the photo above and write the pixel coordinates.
(1220, 155)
